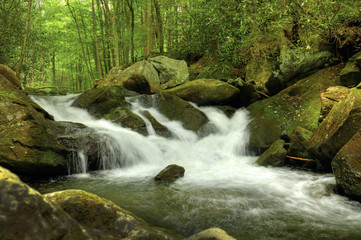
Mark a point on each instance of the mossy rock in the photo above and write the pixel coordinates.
(9, 75)
(170, 174)
(207, 92)
(347, 167)
(274, 156)
(105, 219)
(350, 75)
(27, 146)
(25, 214)
(159, 129)
(140, 77)
(100, 101)
(211, 234)
(337, 129)
(177, 109)
(330, 97)
(297, 105)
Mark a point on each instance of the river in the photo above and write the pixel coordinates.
(222, 186)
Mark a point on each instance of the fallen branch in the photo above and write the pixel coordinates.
(301, 159)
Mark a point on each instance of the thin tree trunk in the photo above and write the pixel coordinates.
(159, 27)
(132, 48)
(81, 43)
(96, 42)
(18, 69)
(53, 67)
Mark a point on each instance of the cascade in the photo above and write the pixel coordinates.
(222, 186)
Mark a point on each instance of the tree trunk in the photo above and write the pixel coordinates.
(131, 9)
(18, 69)
(159, 27)
(96, 42)
(53, 67)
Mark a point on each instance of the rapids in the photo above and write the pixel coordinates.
(222, 186)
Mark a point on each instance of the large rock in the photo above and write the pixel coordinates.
(140, 77)
(171, 72)
(211, 234)
(248, 92)
(25, 214)
(26, 145)
(298, 105)
(330, 97)
(9, 75)
(351, 74)
(103, 219)
(347, 167)
(337, 129)
(207, 92)
(170, 174)
(274, 156)
(293, 65)
(174, 108)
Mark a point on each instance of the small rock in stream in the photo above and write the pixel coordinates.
(170, 174)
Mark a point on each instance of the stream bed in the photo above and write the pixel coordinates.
(222, 186)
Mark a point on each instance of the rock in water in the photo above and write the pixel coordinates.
(25, 214)
(211, 234)
(170, 174)
(274, 155)
(337, 129)
(347, 167)
(207, 92)
(26, 145)
(103, 218)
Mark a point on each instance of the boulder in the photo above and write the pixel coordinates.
(274, 156)
(211, 234)
(9, 75)
(296, 106)
(341, 124)
(248, 92)
(259, 72)
(140, 77)
(351, 74)
(170, 174)
(171, 72)
(293, 65)
(25, 214)
(26, 146)
(175, 108)
(207, 92)
(104, 219)
(330, 97)
(159, 129)
(346, 167)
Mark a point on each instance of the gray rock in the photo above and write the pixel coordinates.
(170, 174)
(274, 155)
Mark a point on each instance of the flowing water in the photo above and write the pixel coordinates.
(222, 186)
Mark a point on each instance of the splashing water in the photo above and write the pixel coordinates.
(222, 186)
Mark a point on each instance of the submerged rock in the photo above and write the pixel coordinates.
(174, 108)
(274, 156)
(347, 167)
(171, 72)
(170, 174)
(211, 234)
(207, 92)
(26, 145)
(104, 219)
(337, 129)
(25, 214)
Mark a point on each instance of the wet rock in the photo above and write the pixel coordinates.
(207, 92)
(174, 108)
(140, 77)
(159, 129)
(103, 219)
(330, 97)
(27, 146)
(25, 214)
(341, 124)
(171, 72)
(9, 75)
(274, 155)
(351, 74)
(211, 234)
(297, 105)
(170, 174)
(347, 168)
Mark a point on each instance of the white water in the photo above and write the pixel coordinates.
(220, 177)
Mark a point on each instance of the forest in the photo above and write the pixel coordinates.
(71, 44)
